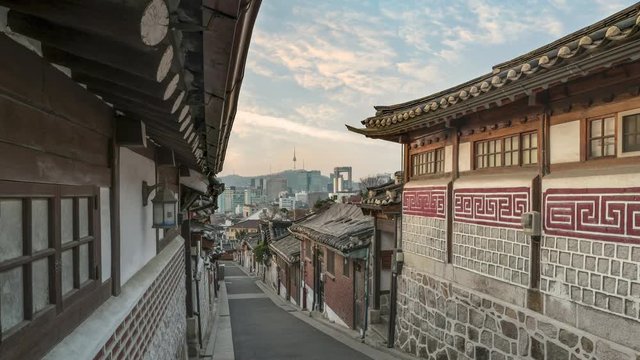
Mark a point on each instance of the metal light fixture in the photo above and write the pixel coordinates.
(164, 205)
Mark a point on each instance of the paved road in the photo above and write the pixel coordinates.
(263, 330)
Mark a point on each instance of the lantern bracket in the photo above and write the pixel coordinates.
(146, 191)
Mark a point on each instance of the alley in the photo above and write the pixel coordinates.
(264, 330)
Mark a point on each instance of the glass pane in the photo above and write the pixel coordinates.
(11, 298)
(628, 124)
(596, 128)
(596, 148)
(609, 126)
(67, 271)
(534, 140)
(498, 159)
(40, 284)
(516, 142)
(169, 211)
(66, 220)
(507, 158)
(10, 228)
(84, 263)
(40, 224)
(492, 146)
(525, 142)
(507, 144)
(157, 214)
(610, 146)
(534, 157)
(83, 217)
(515, 158)
(498, 145)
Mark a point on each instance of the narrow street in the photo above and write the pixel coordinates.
(264, 330)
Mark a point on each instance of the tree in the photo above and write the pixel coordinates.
(373, 181)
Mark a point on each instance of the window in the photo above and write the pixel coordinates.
(345, 267)
(631, 133)
(47, 250)
(513, 150)
(308, 249)
(602, 137)
(331, 262)
(429, 162)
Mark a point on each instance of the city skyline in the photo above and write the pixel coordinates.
(313, 67)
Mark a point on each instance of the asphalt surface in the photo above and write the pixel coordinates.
(263, 330)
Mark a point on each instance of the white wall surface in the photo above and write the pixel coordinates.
(448, 158)
(565, 142)
(464, 156)
(137, 237)
(105, 232)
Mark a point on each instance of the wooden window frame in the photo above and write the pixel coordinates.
(436, 163)
(620, 125)
(330, 262)
(501, 153)
(345, 267)
(589, 138)
(81, 293)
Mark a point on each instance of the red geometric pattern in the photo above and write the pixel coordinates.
(502, 207)
(426, 201)
(611, 214)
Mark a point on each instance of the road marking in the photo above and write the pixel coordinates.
(246, 296)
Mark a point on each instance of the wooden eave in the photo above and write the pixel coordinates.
(100, 42)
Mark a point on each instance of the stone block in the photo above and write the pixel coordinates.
(475, 318)
(601, 300)
(568, 338)
(596, 248)
(603, 266)
(609, 284)
(576, 293)
(630, 308)
(606, 352)
(590, 263)
(587, 296)
(555, 351)
(609, 250)
(548, 329)
(497, 356)
(509, 329)
(570, 276)
(615, 267)
(586, 344)
(523, 342)
(583, 279)
(623, 252)
(630, 271)
(572, 245)
(565, 258)
(616, 304)
(501, 343)
(623, 287)
(585, 247)
(537, 349)
(596, 281)
(635, 254)
(617, 329)
(577, 261)
(482, 353)
(472, 334)
(635, 290)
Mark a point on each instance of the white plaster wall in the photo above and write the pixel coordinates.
(309, 297)
(137, 237)
(565, 142)
(105, 232)
(448, 158)
(464, 156)
(618, 177)
(333, 317)
(496, 180)
(385, 280)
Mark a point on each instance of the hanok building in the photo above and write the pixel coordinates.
(285, 252)
(98, 98)
(384, 204)
(334, 245)
(521, 206)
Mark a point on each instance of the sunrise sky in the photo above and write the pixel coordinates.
(314, 66)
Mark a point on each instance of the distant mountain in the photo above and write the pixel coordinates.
(297, 180)
(235, 180)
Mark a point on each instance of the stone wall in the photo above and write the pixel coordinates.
(424, 236)
(602, 275)
(438, 319)
(500, 253)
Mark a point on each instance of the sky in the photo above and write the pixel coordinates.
(314, 66)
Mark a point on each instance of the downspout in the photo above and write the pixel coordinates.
(315, 280)
(366, 294)
(198, 306)
(394, 295)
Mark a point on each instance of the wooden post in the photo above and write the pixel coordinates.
(137, 23)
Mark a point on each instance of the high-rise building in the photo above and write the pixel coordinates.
(275, 186)
(340, 182)
(229, 200)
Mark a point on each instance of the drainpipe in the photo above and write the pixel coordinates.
(366, 294)
(198, 306)
(391, 334)
(315, 280)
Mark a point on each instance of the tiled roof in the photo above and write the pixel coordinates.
(384, 195)
(286, 247)
(246, 224)
(341, 226)
(586, 44)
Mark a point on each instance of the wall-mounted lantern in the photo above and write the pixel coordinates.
(398, 261)
(164, 205)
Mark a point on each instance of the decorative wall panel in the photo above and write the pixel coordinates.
(611, 214)
(425, 201)
(502, 207)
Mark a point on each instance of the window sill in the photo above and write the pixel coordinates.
(330, 275)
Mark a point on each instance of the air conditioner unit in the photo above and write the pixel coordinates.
(531, 223)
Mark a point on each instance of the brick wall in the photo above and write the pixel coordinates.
(338, 292)
(438, 319)
(156, 327)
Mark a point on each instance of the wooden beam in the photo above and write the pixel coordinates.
(152, 64)
(131, 87)
(136, 23)
(84, 70)
(130, 132)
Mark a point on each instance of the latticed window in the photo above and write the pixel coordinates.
(429, 162)
(631, 133)
(602, 137)
(47, 249)
(512, 150)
